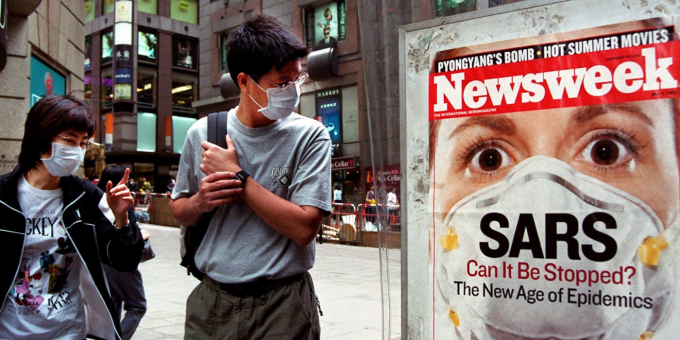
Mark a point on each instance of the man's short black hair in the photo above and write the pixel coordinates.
(260, 44)
(50, 116)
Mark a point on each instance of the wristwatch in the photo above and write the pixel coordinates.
(241, 176)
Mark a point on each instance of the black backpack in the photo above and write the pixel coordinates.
(193, 236)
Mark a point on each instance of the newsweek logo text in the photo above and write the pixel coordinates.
(607, 76)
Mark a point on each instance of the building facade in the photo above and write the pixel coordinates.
(150, 76)
(141, 78)
(42, 48)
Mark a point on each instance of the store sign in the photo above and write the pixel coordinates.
(328, 112)
(328, 93)
(122, 80)
(344, 163)
(122, 92)
(45, 81)
(123, 76)
(327, 24)
(389, 174)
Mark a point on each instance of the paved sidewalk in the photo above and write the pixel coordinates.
(347, 280)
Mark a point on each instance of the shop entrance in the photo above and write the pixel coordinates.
(349, 182)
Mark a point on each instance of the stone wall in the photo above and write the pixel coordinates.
(52, 32)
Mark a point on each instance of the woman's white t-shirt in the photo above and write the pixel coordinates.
(45, 301)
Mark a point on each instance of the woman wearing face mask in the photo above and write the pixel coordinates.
(530, 199)
(58, 229)
(578, 188)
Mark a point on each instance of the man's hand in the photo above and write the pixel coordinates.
(217, 159)
(217, 189)
(119, 200)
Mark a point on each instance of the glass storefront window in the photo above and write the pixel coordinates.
(146, 87)
(184, 10)
(147, 46)
(107, 46)
(494, 3)
(146, 132)
(108, 6)
(184, 53)
(326, 24)
(107, 87)
(148, 6)
(180, 126)
(451, 7)
(88, 53)
(184, 92)
(89, 10)
(222, 40)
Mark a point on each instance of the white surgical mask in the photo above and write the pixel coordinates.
(65, 159)
(606, 227)
(282, 100)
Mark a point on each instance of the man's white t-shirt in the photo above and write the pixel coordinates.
(45, 301)
(392, 199)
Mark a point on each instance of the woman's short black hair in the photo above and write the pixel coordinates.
(50, 116)
(113, 173)
(260, 44)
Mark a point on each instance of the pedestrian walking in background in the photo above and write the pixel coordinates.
(270, 201)
(127, 289)
(337, 194)
(57, 230)
(392, 204)
(132, 185)
(337, 200)
(370, 199)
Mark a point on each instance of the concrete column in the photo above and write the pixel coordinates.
(164, 88)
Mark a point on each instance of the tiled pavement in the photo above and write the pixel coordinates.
(347, 280)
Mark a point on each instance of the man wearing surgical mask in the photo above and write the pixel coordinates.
(270, 189)
(586, 188)
(57, 230)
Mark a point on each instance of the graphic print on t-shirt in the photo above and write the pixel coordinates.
(27, 284)
(51, 280)
(282, 175)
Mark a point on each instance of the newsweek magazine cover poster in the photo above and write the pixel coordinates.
(554, 186)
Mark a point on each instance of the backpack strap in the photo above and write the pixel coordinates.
(217, 128)
(193, 236)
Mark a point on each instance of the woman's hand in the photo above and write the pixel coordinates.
(120, 200)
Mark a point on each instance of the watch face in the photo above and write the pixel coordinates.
(242, 175)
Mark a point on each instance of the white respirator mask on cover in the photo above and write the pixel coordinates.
(282, 100)
(65, 159)
(546, 215)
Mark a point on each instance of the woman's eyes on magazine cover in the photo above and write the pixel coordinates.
(609, 149)
(486, 155)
